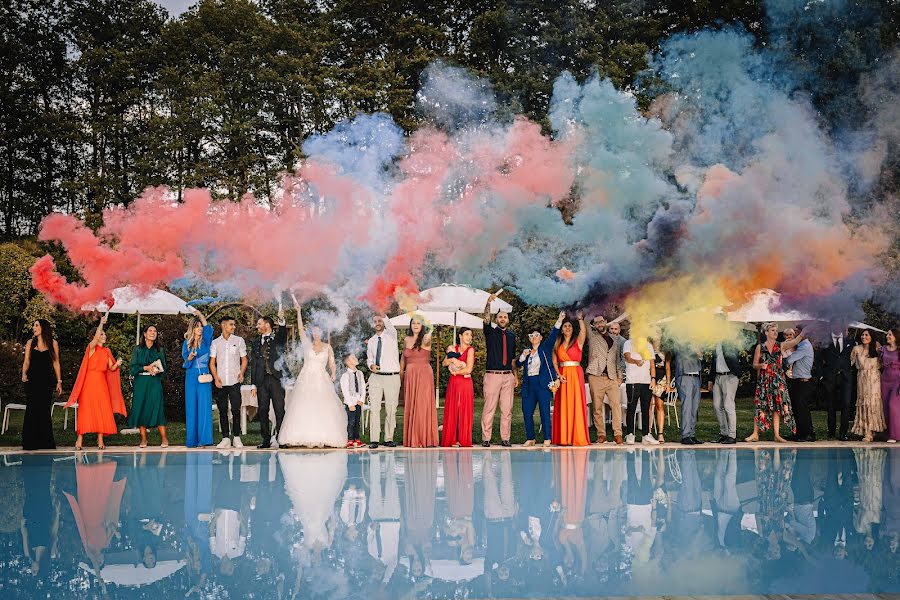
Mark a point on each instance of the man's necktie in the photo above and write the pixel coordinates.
(356, 383)
(378, 353)
(503, 333)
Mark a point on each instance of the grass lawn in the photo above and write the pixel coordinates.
(707, 428)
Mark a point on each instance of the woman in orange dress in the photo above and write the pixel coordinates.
(420, 425)
(97, 391)
(570, 424)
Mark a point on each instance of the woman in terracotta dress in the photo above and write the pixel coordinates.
(869, 409)
(420, 429)
(459, 404)
(97, 391)
(570, 424)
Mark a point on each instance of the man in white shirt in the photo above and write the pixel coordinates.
(353, 389)
(227, 364)
(383, 359)
(383, 537)
(640, 377)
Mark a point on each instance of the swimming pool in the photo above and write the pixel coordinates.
(450, 524)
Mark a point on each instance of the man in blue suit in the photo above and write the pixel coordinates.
(538, 372)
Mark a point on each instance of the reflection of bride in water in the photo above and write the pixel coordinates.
(313, 482)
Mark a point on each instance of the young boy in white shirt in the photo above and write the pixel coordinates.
(353, 388)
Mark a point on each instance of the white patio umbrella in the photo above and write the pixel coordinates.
(450, 297)
(455, 318)
(763, 307)
(126, 573)
(132, 300)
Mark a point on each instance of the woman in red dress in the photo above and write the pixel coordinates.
(459, 405)
(97, 391)
(570, 424)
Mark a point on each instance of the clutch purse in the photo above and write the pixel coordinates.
(554, 385)
(659, 389)
(204, 378)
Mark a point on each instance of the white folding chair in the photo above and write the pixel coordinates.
(9, 407)
(671, 402)
(62, 405)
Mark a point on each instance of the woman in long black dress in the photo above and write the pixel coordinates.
(41, 375)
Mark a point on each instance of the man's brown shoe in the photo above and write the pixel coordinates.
(619, 440)
(601, 439)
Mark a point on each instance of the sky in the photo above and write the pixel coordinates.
(176, 7)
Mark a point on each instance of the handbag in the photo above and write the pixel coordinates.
(204, 378)
(554, 384)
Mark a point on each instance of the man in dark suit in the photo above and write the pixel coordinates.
(837, 380)
(266, 353)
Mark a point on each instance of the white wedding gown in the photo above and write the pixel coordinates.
(314, 416)
(313, 481)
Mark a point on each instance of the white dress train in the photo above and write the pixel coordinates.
(313, 481)
(314, 416)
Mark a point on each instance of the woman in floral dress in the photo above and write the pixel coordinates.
(772, 401)
(869, 409)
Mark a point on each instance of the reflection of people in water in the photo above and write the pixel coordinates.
(96, 507)
(800, 525)
(383, 536)
(500, 509)
(198, 477)
(418, 510)
(774, 469)
(836, 505)
(890, 523)
(40, 515)
(725, 503)
(460, 486)
(867, 513)
(534, 487)
(229, 522)
(268, 541)
(571, 470)
(649, 509)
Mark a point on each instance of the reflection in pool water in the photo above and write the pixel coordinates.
(456, 523)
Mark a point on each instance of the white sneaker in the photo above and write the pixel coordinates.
(225, 443)
(649, 440)
(237, 442)
(892, 441)
(274, 442)
(629, 439)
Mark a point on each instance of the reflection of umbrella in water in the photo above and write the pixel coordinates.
(451, 570)
(126, 569)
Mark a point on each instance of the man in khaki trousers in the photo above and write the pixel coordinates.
(383, 358)
(501, 377)
(604, 378)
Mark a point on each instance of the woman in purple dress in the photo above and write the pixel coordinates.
(890, 383)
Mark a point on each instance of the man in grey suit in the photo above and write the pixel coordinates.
(604, 378)
(615, 330)
(687, 382)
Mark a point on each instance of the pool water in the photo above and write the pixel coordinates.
(450, 524)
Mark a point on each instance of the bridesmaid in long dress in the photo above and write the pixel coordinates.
(97, 390)
(420, 429)
(39, 372)
(570, 424)
(890, 384)
(147, 407)
(869, 409)
(459, 404)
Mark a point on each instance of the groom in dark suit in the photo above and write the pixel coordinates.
(837, 380)
(266, 354)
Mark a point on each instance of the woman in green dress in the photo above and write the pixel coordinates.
(147, 408)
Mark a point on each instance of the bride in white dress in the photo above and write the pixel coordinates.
(314, 416)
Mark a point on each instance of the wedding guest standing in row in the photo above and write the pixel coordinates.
(604, 378)
(353, 390)
(838, 380)
(500, 377)
(725, 385)
(41, 376)
(384, 381)
(538, 374)
(773, 402)
(147, 365)
(869, 408)
(420, 429)
(198, 383)
(97, 390)
(890, 384)
(799, 381)
(640, 377)
(228, 364)
(570, 425)
(459, 404)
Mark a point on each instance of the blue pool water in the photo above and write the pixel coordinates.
(449, 524)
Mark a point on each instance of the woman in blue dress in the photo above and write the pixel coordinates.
(197, 383)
